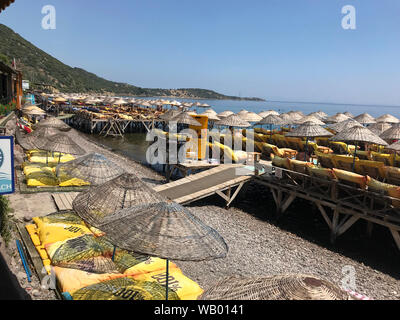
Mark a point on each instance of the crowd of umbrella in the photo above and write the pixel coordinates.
(137, 219)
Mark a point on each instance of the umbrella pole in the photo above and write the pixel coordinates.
(306, 150)
(166, 282)
(354, 159)
(270, 132)
(113, 256)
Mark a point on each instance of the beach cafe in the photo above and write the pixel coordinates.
(10, 85)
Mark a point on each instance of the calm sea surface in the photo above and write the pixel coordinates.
(134, 145)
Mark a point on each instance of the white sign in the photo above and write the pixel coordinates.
(25, 85)
(7, 183)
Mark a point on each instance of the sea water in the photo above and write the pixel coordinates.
(134, 145)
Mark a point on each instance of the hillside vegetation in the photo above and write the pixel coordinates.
(39, 67)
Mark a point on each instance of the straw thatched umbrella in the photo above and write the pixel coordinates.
(319, 114)
(358, 134)
(309, 130)
(53, 122)
(346, 124)
(59, 99)
(365, 118)
(146, 104)
(264, 114)
(394, 146)
(391, 134)
(119, 102)
(34, 112)
(186, 118)
(272, 120)
(277, 287)
(211, 116)
(166, 230)
(233, 121)
(25, 140)
(349, 114)
(225, 114)
(312, 119)
(379, 127)
(387, 118)
(60, 143)
(101, 201)
(170, 114)
(251, 117)
(94, 168)
(242, 112)
(338, 117)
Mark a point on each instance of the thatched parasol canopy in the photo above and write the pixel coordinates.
(26, 141)
(34, 112)
(186, 118)
(391, 134)
(102, 201)
(387, 118)
(165, 229)
(94, 168)
(279, 287)
(170, 114)
(343, 125)
(60, 143)
(365, 118)
(264, 114)
(319, 114)
(233, 121)
(379, 127)
(271, 119)
(119, 102)
(225, 114)
(394, 146)
(338, 117)
(312, 119)
(309, 130)
(251, 117)
(211, 116)
(53, 122)
(349, 114)
(359, 134)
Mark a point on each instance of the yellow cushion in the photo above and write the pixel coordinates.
(281, 162)
(322, 172)
(185, 288)
(351, 177)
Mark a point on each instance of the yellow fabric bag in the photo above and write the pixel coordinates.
(71, 280)
(59, 227)
(185, 288)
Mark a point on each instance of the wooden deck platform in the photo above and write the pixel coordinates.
(64, 200)
(340, 204)
(225, 177)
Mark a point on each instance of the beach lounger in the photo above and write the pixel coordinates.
(374, 169)
(338, 147)
(351, 178)
(391, 175)
(300, 166)
(325, 160)
(386, 190)
(281, 162)
(387, 159)
(343, 162)
(295, 143)
(322, 141)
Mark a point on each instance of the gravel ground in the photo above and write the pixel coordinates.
(260, 247)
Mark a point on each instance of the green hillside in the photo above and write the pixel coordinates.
(39, 67)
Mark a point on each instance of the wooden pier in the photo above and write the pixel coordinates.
(340, 204)
(220, 180)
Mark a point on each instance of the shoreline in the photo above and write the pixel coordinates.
(257, 246)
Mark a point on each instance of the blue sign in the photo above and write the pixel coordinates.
(7, 182)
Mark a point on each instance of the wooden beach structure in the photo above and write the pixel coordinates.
(340, 203)
(225, 180)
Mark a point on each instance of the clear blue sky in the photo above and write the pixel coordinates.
(293, 50)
